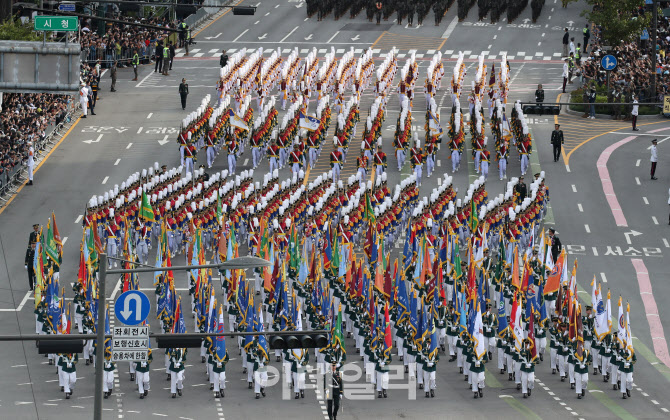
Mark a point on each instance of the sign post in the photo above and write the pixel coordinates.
(608, 63)
(56, 23)
(130, 344)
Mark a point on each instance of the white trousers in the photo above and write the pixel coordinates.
(626, 381)
(477, 380)
(298, 381)
(142, 380)
(261, 380)
(527, 381)
(581, 381)
(219, 380)
(107, 381)
(176, 381)
(69, 379)
(429, 380)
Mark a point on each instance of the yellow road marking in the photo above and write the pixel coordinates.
(380, 37)
(37, 168)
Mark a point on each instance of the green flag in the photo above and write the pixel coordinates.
(219, 210)
(50, 246)
(338, 337)
(369, 210)
(473, 216)
(457, 261)
(146, 212)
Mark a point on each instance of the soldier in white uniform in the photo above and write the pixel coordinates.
(83, 99)
(31, 162)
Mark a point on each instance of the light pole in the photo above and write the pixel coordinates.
(654, 33)
(240, 263)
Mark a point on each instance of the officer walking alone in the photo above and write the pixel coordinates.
(30, 255)
(335, 393)
(183, 92)
(159, 57)
(556, 141)
(112, 74)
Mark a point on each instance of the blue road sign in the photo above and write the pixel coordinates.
(608, 62)
(132, 307)
(67, 7)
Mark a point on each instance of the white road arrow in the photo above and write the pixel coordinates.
(355, 38)
(126, 312)
(526, 20)
(570, 23)
(298, 6)
(632, 232)
(94, 141)
(165, 140)
(309, 37)
(263, 37)
(213, 37)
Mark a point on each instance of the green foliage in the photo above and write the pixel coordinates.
(16, 31)
(617, 20)
(576, 96)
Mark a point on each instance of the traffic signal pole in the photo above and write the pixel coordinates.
(100, 332)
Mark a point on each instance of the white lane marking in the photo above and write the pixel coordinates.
(245, 162)
(240, 35)
(588, 230)
(129, 145)
(65, 239)
(567, 167)
(574, 188)
(289, 34)
(78, 219)
(19, 365)
(139, 130)
(451, 27)
(645, 200)
(595, 251)
(331, 38)
(104, 181)
(637, 181)
(267, 13)
(145, 78)
(581, 209)
(495, 36)
(117, 161)
(654, 219)
(665, 242)
(257, 22)
(603, 278)
(150, 114)
(637, 163)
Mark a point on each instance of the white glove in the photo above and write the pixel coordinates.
(26, 267)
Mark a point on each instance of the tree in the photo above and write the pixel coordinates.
(15, 30)
(619, 19)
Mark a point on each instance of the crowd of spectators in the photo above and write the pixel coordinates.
(121, 41)
(633, 73)
(24, 118)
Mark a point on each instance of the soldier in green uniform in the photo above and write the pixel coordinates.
(490, 322)
(527, 362)
(108, 375)
(582, 361)
(563, 344)
(477, 370)
(260, 369)
(68, 371)
(299, 361)
(142, 370)
(177, 360)
(452, 332)
(627, 360)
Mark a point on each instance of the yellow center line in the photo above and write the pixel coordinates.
(37, 168)
(380, 37)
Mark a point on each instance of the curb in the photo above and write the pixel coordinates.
(567, 110)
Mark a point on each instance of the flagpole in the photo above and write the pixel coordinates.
(100, 331)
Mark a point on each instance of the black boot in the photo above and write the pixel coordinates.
(258, 396)
(379, 394)
(263, 392)
(432, 393)
(427, 394)
(384, 393)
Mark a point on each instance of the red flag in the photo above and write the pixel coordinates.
(472, 278)
(387, 332)
(515, 268)
(57, 237)
(81, 274)
(388, 281)
(526, 275)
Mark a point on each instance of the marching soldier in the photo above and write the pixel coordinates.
(379, 161)
(108, 375)
(33, 239)
(334, 392)
(582, 361)
(176, 369)
(336, 162)
(527, 362)
(417, 160)
(68, 370)
(142, 379)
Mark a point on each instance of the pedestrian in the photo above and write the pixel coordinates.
(556, 246)
(654, 158)
(83, 99)
(159, 57)
(539, 94)
(334, 393)
(556, 141)
(166, 59)
(566, 73)
(172, 54)
(571, 47)
(136, 63)
(31, 162)
(223, 60)
(33, 239)
(592, 104)
(112, 74)
(633, 113)
(94, 82)
(566, 39)
(183, 92)
(378, 11)
(587, 36)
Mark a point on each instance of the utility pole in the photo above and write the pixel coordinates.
(654, 17)
(100, 331)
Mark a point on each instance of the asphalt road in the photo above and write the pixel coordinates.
(129, 133)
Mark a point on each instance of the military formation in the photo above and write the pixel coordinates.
(479, 280)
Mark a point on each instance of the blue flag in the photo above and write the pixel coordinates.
(502, 316)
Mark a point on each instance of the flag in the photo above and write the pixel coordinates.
(236, 121)
(56, 235)
(108, 341)
(434, 124)
(388, 343)
(220, 341)
(473, 217)
(146, 212)
(258, 326)
(531, 336)
(629, 334)
(369, 210)
(621, 335)
(308, 122)
(502, 317)
(50, 246)
(602, 321)
(478, 335)
(516, 282)
(517, 328)
(492, 80)
(553, 283)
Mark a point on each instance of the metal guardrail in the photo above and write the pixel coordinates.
(10, 181)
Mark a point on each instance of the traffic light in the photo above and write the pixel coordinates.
(178, 342)
(244, 10)
(298, 340)
(544, 109)
(60, 346)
